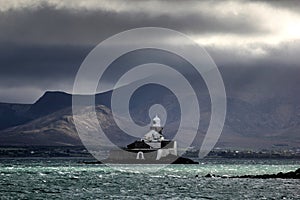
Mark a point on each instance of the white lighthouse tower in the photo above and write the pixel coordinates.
(154, 136)
(154, 141)
(156, 121)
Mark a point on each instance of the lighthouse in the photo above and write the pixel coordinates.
(154, 141)
(152, 148)
(156, 124)
(154, 136)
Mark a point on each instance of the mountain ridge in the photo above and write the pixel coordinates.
(270, 122)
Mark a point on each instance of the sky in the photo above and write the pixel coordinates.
(255, 44)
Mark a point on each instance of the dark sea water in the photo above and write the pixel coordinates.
(67, 179)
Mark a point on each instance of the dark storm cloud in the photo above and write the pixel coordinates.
(41, 60)
(50, 25)
(42, 47)
(37, 68)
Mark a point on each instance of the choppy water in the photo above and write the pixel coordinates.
(66, 179)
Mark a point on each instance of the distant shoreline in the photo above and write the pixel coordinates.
(81, 152)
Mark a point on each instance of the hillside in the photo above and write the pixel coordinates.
(49, 120)
(58, 129)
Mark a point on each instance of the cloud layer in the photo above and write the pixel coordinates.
(42, 43)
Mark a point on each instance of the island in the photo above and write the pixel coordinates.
(153, 148)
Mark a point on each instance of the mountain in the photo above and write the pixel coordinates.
(49, 121)
(58, 129)
(18, 114)
(52, 101)
(13, 114)
(49, 103)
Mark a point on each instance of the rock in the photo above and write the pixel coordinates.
(209, 175)
(182, 160)
(170, 159)
(288, 175)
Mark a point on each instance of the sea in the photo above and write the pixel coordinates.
(70, 179)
